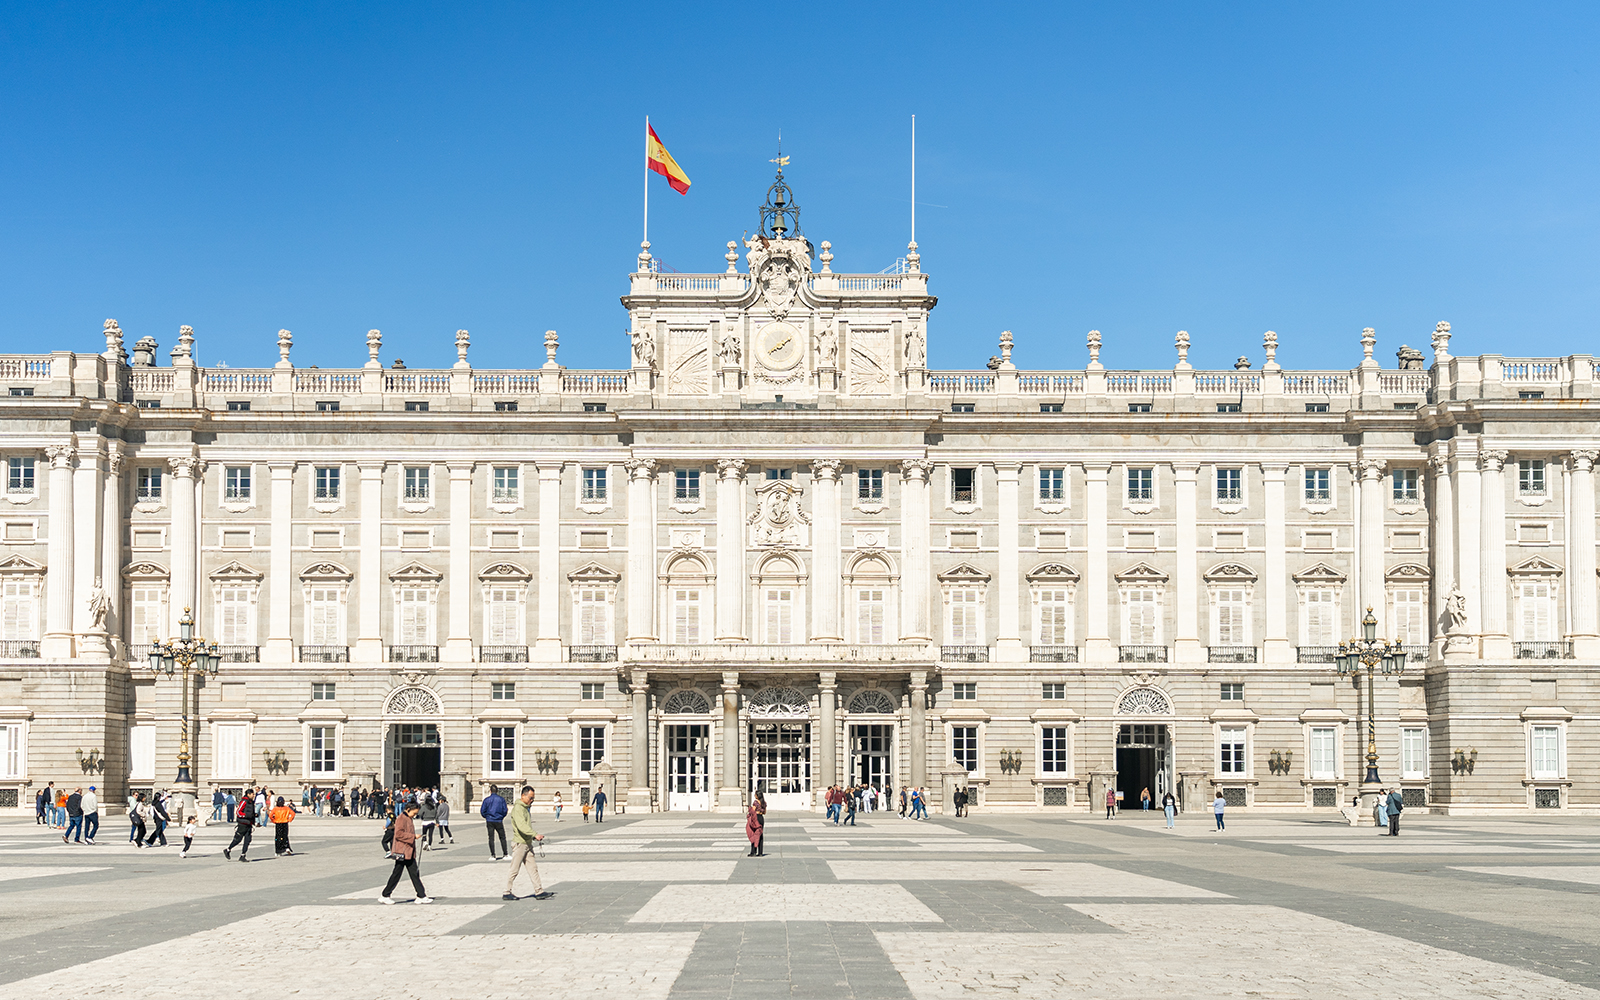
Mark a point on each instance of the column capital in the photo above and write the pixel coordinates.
(1185, 470)
(461, 470)
(548, 471)
(1098, 471)
(1440, 465)
(1007, 470)
(828, 680)
(639, 680)
(919, 680)
(640, 469)
(915, 469)
(1371, 469)
(731, 469)
(60, 455)
(371, 470)
(282, 470)
(826, 468)
(1275, 470)
(1491, 460)
(1583, 459)
(183, 466)
(730, 682)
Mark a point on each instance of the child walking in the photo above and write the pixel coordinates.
(190, 825)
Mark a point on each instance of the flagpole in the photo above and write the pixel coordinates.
(913, 178)
(647, 180)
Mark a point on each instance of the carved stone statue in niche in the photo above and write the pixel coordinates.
(728, 352)
(778, 518)
(916, 349)
(828, 347)
(644, 349)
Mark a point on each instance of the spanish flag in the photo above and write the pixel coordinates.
(662, 162)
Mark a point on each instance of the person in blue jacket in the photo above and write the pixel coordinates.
(493, 809)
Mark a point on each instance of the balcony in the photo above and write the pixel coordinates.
(1560, 649)
(591, 654)
(1315, 654)
(19, 649)
(502, 654)
(324, 654)
(1230, 654)
(237, 654)
(1141, 654)
(964, 654)
(1053, 654)
(755, 653)
(1416, 654)
(413, 654)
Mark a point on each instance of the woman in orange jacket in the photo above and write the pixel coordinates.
(281, 815)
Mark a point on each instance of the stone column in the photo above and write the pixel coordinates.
(827, 733)
(1098, 646)
(1469, 527)
(730, 550)
(1496, 640)
(641, 549)
(86, 489)
(57, 643)
(1370, 561)
(369, 589)
(1008, 636)
(181, 539)
(730, 796)
(280, 590)
(1187, 643)
(919, 726)
(548, 640)
(825, 547)
(111, 542)
(1276, 645)
(639, 749)
(458, 643)
(914, 541)
(1580, 486)
(1444, 536)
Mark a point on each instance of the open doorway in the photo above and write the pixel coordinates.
(1144, 760)
(414, 755)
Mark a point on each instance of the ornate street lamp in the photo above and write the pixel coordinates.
(181, 655)
(1373, 653)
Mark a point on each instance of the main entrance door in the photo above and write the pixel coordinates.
(780, 763)
(1144, 760)
(871, 751)
(414, 754)
(688, 767)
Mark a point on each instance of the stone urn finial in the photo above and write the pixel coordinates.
(114, 352)
(1269, 341)
(1441, 342)
(374, 342)
(551, 342)
(1182, 343)
(463, 341)
(1094, 350)
(285, 341)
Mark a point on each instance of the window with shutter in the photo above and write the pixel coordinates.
(1321, 621)
(142, 752)
(779, 606)
(1228, 618)
(322, 618)
(17, 617)
(504, 616)
(1410, 616)
(415, 624)
(685, 616)
(235, 626)
(232, 751)
(1054, 626)
(594, 617)
(145, 623)
(1144, 623)
(870, 606)
(964, 627)
(1538, 623)
(1547, 751)
(11, 763)
(1322, 753)
(1413, 753)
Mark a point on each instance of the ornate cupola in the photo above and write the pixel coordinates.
(780, 216)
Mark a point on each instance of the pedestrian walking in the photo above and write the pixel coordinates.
(190, 826)
(244, 822)
(444, 820)
(558, 807)
(404, 852)
(1396, 804)
(493, 811)
(231, 805)
(523, 837)
(139, 814)
(91, 815)
(1217, 805)
(38, 807)
(1380, 812)
(1111, 803)
(430, 816)
(219, 805)
(960, 798)
(1144, 798)
(1169, 805)
(755, 825)
(902, 802)
(599, 805)
(282, 815)
(263, 807)
(850, 808)
(158, 818)
(74, 807)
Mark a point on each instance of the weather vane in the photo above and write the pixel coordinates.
(781, 160)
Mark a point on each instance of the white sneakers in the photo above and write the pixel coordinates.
(424, 899)
(390, 900)
(386, 900)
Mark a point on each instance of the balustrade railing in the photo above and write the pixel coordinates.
(421, 383)
(328, 383)
(1315, 654)
(717, 652)
(1211, 383)
(506, 383)
(1557, 650)
(19, 649)
(502, 654)
(233, 380)
(150, 380)
(1403, 383)
(1316, 383)
(324, 654)
(963, 382)
(1138, 382)
(594, 383)
(1053, 654)
(1141, 654)
(964, 654)
(413, 654)
(1542, 370)
(1230, 654)
(15, 369)
(1050, 384)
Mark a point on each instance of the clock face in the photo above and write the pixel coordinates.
(779, 346)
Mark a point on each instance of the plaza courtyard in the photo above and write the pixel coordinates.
(668, 906)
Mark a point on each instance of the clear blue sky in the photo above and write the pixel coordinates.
(1140, 169)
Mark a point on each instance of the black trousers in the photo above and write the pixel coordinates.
(159, 833)
(242, 832)
(280, 838)
(1394, 824)
(409, 866)
(760, 846)
(496, 828)
(138, 832)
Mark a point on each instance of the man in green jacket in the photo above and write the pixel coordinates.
(523, 837)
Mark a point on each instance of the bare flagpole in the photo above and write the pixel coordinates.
(646, 181)
(913, 178)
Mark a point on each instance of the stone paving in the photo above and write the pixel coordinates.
(668, 906)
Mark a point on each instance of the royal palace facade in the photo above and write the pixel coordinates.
(778, 552)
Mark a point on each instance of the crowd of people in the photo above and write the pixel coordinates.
(845, 801)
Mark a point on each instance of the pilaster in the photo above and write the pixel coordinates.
(639, 797)
(458, 643)
(1580, 493)
(730, 794)
(181, 538)
(57, 643)
(918, 686)
(641, 549)
(111, 543)
(914, 541)
(730, 550)
(1496, 639)
(1008, 638)
(1370, 561)
(1276, 647)
(547, 644)
(1469, 543)
(825, 624)
(827, 726)
(280, 638)
(368, 647)
(1098, 646)
(87, 488)
(1187, 646)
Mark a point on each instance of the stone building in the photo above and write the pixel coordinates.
(778, 551)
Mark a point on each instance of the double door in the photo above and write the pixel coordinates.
(780, 763)
(688, 767)
(872, 755)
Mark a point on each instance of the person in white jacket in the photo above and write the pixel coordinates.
(91, 815)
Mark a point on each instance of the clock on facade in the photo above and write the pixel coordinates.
(778, 346)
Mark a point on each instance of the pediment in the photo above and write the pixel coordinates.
(1230, 572)
(415, 573)
(19, 566)
(236, 572)
(145, 571)
(1141, 573)
(1320, 573)
(594, 573)
(1408, 572)
(1537, 566)
(1053, 572)
(505, 571)
(964, 573)
(328, 571)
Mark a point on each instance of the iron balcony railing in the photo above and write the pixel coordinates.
(964, 654)
(1053, 654)
(1315, 654)
(502, 654)
(1416, 654)
(1560, 649)
(1230, 654)
(324, 654)
(1141, 654)
(238, 654)
(591, 654)
(413, 654)
(19, 649)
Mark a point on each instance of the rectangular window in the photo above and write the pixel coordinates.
(1410, 616)
(236, 483)
(505, 406)
(417, 483)
(17, 610)
(1144, 620)
(1319, 485)
(1138, 407)
(1230, 485)
(592, 692)
(1232, 691)
(1053, 691)
(1049, 407)
(686, 485)
(141, 751)
(685, 616)
(591, 748)
(964, 626)
(502, 691)
(1530, 477)
(416, 406)
(963, 484)
(594, 485)
(327, 483)
(11, 751)
(322, 750)
(1228, 408)
(1413, 753)
(963, 407)
(147, 404)
(503, 617)
(1054, 627)
(327, 406)
(1323, 763)
(1316, 407)
(1321, 622)
(964, 746)
(775, 474)
(594, 407)
(502, 749)
(1230, 626)
(238, 405)
(414, 618)
(1536, 611)
(779, 606)
(1141, 484)
(231, 756)
(147, 605)
(964, 691)
(21, 390)
(19, 475)
(869, 484)
(1547, 751)
(507, 484)
(235, 626)
(593, 625)
(1053, 749)
(1052, 485)
(1405, 486)
(322, 618)
(1231, 752)
(871, 606)
(148, 484)
(323, 691)
(1530, 393)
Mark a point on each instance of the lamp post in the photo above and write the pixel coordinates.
(186, 653)
(1371, 653)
